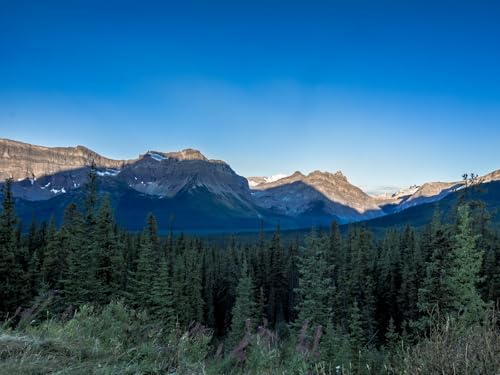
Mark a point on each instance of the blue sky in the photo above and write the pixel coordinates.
(390, 92)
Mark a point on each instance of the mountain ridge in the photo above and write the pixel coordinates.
(41, 173)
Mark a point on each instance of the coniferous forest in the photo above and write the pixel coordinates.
(85, 297)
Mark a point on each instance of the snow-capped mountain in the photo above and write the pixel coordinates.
(253, 182)
(416, 194)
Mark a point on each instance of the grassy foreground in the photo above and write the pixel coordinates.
(117, 340)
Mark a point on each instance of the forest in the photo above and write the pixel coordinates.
(86, 297)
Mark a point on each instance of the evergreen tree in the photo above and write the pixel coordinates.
(244, 311)
(193, 283)
(315, 288)
(80, 283)
(357, 336)
(142, 279)
(408, 291)
(491, 270)
(434, 295)
(162, 306)
(109, 254)
(392, 337)
(13, 289)
(277, 281)
(465, 271)
(52, 268)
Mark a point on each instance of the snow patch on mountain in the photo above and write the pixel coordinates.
(108, 172)
(57, 191)
(256, 181)
(155, 156)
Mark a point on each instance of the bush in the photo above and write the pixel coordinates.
(452, 348)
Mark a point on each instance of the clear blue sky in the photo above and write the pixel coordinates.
(390, 92)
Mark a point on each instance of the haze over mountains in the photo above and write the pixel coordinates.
(190, 191)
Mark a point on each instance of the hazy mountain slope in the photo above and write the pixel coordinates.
(415, 195)
(194, 192)
(325, 192)
(422, 214)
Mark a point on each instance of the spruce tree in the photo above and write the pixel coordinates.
(464, 275)
(13, 289)
(109, 255)
(142, 279)
(357, 336)
(435, 294)
(277, 278)
(408, 291)
(193, 282)
(162, 304)
(392, 337)
(53, 263)
(244, 311)
(315, 288)
(80, 283)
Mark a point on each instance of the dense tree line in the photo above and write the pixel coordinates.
(348, 291)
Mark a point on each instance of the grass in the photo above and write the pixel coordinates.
(117, 340)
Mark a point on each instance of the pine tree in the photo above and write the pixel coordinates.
(491, 270)
(277, 281)
(293, 282)
(357, 335)
(52, 267)
(152, 233)
(109, 255)
(244, 311)
(142, 279)
(392, 337)
(408, 292)
(79, 233)
(209, 280)
(162, 304)
(193, 282)
(80, 283)
(13, 289)
(435, 294)
(315, 288)
(464, 275)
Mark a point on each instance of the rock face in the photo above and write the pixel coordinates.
(24, 161)
(330, 193)
(166, 174)
(40, 173)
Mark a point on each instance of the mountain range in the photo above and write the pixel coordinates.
(187, 191)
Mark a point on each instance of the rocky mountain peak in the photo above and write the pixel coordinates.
(327, 175)
(297, 174)
(339, 174)
(186, 154)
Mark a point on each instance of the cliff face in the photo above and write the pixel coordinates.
(41, 173)
(21, 160)
(166, 174)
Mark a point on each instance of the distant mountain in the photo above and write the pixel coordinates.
(25, 161)
(318, 194)
(416, 195)
(186, 190)
(419, 215)
(256, 181)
